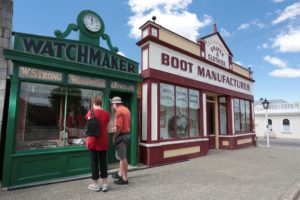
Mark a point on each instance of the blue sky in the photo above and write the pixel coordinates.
(262, 34)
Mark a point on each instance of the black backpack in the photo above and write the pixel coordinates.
(92, 126)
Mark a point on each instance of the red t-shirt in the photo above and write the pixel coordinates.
(99, 143)
(122, 118)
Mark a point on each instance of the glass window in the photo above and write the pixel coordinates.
(194, 106)
(179, 112)
(167, 103)
(270, 127)
(248, 114)
(242, 115)
(223, 116)
(181, 118)
(286, 125)
(42, 122)
(79, 103)
(237, 118)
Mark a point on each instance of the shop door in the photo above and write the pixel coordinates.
(211, 124)
(127, 100)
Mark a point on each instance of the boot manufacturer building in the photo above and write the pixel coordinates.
(194, 98)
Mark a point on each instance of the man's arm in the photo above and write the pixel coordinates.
(116, 131)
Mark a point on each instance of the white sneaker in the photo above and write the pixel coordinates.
(104, 187)
(94, 187)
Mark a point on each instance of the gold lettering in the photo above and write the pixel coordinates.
(40, 74)
(86, 81)
(34, 73)
(24, 71)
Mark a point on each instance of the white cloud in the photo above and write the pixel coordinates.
(275, 61)
(239, 63)
(121, 53)
(244, 26)
(251, 23)
(171, 14)
(258, 24)
(225, 33)
(283, 71)
(278, 1)
(290, 12)
(263, 46)
(288, 42)
(286, 73)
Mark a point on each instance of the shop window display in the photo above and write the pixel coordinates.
(241, 115)
(51, 116)
(179, 112)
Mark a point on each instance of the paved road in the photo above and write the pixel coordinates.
(280, 143)
(251, 173)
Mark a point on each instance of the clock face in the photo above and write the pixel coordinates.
(91, 22)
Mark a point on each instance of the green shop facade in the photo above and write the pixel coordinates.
(53, 82)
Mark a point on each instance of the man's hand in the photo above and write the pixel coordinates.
(116, 131)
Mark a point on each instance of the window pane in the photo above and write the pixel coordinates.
(286, 125)
(243, 115)
(286, 122)
(40, 109)
(42, 118)
(181, 112)
(167, 103)
(247, 104)
(194, 112)
(79, 102)
(236, 104)
(223, 119)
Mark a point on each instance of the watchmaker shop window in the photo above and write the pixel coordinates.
(241, 115)
(42, 119)
(79, 102)
(179, 112)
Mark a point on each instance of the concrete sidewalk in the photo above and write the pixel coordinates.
(251, 173)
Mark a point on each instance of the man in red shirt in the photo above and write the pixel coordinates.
(121, 138)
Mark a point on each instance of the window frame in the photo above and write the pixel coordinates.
(64, 84)
(174, 87)
(240, 118)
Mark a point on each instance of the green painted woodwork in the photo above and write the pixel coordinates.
(85, 35)
(38, 166)
(65, 34)
(66, 57)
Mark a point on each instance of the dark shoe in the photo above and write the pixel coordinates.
(121, 182)
(116, 176)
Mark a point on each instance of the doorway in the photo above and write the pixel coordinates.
(127, 101)
(210, 109)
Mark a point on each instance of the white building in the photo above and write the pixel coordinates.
(283, 119)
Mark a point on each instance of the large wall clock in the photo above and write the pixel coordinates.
(92, 22)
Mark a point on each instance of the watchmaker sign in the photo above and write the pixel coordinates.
(75, 52)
